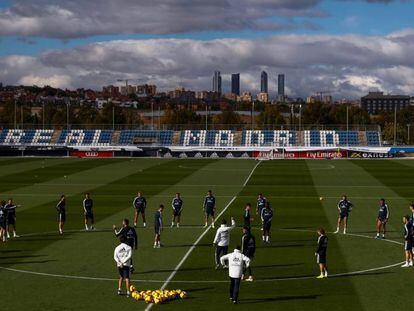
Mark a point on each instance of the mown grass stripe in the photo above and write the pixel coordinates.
(49, 174)
(273, 178)
(362, 218)
(45, 214)
(20, 166)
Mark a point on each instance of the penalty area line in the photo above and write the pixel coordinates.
(188, 253)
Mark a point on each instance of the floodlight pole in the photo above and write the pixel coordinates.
(152, 115)
(15, 112)
(159, 116)
(113, 117)
(43, 115)
(21, 116)
(252, 115)
(206, 116)
(395, 125)
(347, 126)
(408, 133)
(67, 115)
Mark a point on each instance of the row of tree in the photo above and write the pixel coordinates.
(61, 115)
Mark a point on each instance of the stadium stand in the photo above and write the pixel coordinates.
(200, 138)
(331, 138)
(190, 138)
(373, 138)
(26, 137)
(38, 137)
(85, 137)
(131, 137)
(258, 138)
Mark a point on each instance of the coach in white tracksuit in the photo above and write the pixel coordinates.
(122, 257)
(237, 261)
(222, 240)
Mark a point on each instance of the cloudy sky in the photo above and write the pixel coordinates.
(348, 47)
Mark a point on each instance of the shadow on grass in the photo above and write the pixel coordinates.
(188, 245)
(41, 238)
(295, 240)
(193, 290)
(11, 251)
(169, 270)
(299, 227)
(361, 274)
(373, 232)
(281, 245)
(26, 262)
(276, 266)
(20, 257)
(281, 298)
(288, 277)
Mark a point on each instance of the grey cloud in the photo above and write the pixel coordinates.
(348, 65)
(66, 19)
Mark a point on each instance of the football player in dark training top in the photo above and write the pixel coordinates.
(408, 242)
(177, 207)
(11, 218)
(140, 204)
(209, 207)
(344, 208)
(382, 219)
(261, 204)
(267, 215)
(246, 215)
(3, 221)
(130, 236)
(61, 209)
(248, 250)
(88, 211)
(158, 226)
(320, 253)
(411, 207)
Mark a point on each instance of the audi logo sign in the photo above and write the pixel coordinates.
(92, 154)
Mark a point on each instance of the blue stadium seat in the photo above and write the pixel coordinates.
(265, 138)
(330, 138)
(26, 137)
(164, 138)
(201, 138)
(373, 138)
(85, 137)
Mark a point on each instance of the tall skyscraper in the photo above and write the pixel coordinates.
(217, 82)
(235, 83)
(281, 85)
(263, 83)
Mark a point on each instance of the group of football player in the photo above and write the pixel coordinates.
(345, 207)
(8, 220)
(128, 235)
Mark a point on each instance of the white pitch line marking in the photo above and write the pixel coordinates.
(188, 253)
(172, 275)
(329, 167)
(251, 174)
(222, 281)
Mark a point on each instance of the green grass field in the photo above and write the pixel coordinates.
(44, 271)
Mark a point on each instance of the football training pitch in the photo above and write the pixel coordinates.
(42, 270)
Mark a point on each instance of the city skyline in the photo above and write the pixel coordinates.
(235, 83)
(339, 46)
(264, 82)
(281, 85)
